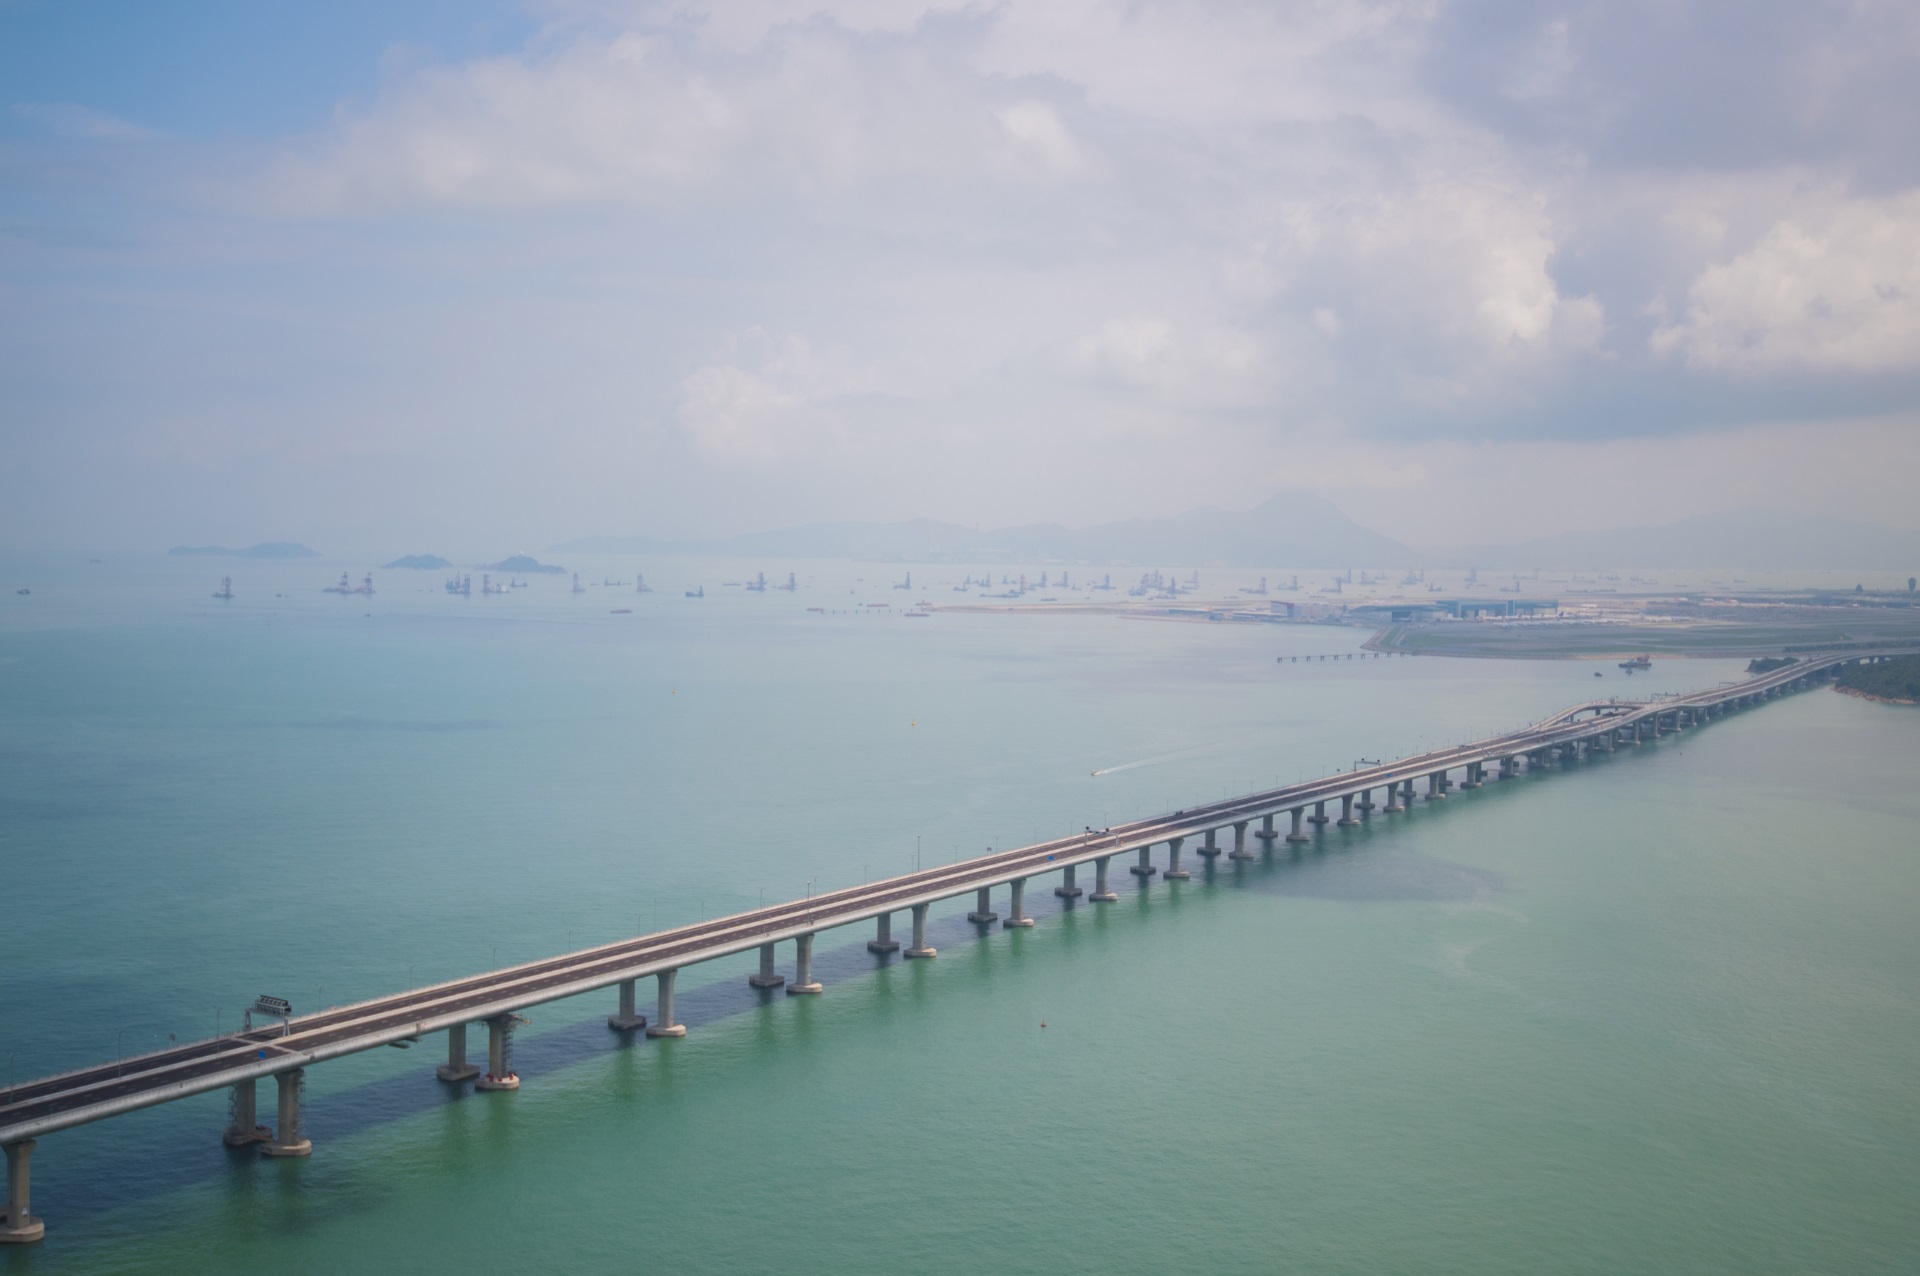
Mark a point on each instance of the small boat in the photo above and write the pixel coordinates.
(623, 611)
(226, 588)
(23, 591)
(1638, 662)
(698, 591)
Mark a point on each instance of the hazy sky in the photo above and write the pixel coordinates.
(470, 277)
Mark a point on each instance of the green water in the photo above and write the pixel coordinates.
(1654, 1013)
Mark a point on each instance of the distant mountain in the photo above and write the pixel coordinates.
(420, 562)
(1296, 530)
(268, 549)
(522, 563)
(1746, 539)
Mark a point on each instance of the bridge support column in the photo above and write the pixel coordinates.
(1145, 867)
(1474, 779)
(1365, 804)
(288, 1140)
(1174, 872)
(1434, 792)
(1299, 832)
(456, 1069)
(883, 940)
(243, 1122)
(1393, 806)
(1266, 833)
(663, 1024)
(803, 981)
(624, 1019)
(1319, 815)
(1508, 768)
(920, 947)
(1066, 889)
(1017, 906)
(767, 977)
(983, 906)
(500, 1074)
(1211, 846)
(19, 1226)
(1102, 893)
(1240, 851)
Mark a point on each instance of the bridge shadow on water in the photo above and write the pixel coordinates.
(86, 1174)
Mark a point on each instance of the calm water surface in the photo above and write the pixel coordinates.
(1657, 1013)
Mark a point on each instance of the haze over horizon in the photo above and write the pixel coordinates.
(435, 276)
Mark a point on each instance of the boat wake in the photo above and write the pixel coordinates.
(1166, 757)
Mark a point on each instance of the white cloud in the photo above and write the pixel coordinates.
(1837, 290)
(788, 402)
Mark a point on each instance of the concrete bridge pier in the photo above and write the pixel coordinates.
(1240, 851)
(1066, 889)
(1145, 867)
(1174, 872)
(243, 1122)
(663, 1024)
(883, 940)
(624, 1019)
(456, 1069)
(1473, 780)
(1299, 832)
(19, 1226)
(1365, 804)
(1211, 846)
(803, 981)
(1346, 820)
(1508, 768)
(288, 1140)
(1393, 806)
(500, 1074)
(1319, 815)
(920, 947)
(1434, 792)
(1266, 833)
(766, 977)
(983, 903)
(1102, 893)
(1017, 906)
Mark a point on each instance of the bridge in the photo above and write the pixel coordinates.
(289, 1044)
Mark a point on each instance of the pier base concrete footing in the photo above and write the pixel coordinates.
(453, 1075)
(666, 1030)
(509, 1082)
(18, 1226)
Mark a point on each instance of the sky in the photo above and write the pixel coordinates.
(477, 277)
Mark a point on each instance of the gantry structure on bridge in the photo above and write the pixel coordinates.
(1240, 828)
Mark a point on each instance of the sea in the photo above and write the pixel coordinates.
(1655, 1011)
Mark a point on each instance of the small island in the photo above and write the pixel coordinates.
(266, 549)
(419, 562)
(1894, 681)
(523, 563)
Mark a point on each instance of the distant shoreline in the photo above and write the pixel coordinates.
(1868, 695)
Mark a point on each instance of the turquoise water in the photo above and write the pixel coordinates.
(1657, 1013)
